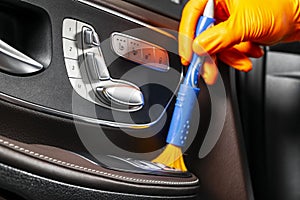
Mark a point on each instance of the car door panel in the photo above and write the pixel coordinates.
(48, 148)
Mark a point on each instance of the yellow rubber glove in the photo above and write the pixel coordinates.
(242, 25)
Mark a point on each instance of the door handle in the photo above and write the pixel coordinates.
(15, 62)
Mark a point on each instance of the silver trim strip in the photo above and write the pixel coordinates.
(14, 61)
(110, 11)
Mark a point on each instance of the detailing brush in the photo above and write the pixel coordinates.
(185, 101)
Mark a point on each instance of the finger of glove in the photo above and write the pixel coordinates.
(236, 59)
(210, 71)
(217, 38)
(185, 48)
(189, 18)
(250, 49)
(293, 37)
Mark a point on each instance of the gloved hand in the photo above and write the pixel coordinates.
(242, 25)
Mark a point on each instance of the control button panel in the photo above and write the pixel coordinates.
(88, 73)
(140, 51)
(71, 53)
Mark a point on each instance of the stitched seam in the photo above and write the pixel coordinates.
(41, 156)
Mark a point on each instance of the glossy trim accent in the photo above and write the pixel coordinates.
(14, 61)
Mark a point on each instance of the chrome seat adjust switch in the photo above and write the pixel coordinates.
(97, 69)
(91, 37)
(121, 94)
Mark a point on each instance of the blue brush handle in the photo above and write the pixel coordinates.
(188, 94)
(194, 68)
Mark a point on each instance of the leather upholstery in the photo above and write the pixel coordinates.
(64, 166)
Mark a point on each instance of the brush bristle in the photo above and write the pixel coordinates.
(172, 157)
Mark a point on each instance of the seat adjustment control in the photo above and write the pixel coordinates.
(91, 38)
(88, 73)
(120, 94)
(97, 69)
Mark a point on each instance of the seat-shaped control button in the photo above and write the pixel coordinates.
(91, 38)
(122, 94)
(96, 66)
